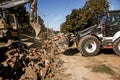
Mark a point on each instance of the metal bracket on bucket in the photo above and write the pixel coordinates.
(33, 14)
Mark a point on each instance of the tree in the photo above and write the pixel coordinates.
(85, 17)
(63, 28)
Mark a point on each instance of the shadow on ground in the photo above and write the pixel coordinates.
(106, 51)
(71, 51)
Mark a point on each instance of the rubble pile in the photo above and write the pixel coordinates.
(59, 43)
(32, 63)
(29, 64)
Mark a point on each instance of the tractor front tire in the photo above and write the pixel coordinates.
(116, 47)
(89, 46)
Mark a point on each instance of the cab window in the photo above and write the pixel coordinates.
(114, 19)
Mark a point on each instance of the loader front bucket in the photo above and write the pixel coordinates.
(32, 39)
(37, 28)
(33, 14)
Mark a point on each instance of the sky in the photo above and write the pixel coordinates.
(54, 12)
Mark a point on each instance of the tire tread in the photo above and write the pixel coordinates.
(83, 41)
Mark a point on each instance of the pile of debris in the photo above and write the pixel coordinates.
(32, 63)
(29, 64)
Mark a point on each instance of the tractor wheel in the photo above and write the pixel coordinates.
(89, 46)
(116, 47)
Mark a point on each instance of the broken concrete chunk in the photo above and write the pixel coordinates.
(29, 73)
(4, 64)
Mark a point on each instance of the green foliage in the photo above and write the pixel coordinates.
(103, 69)
(82, 18)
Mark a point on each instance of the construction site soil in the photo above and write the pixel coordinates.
(52, 61)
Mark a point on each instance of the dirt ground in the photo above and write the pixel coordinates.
(78, 67)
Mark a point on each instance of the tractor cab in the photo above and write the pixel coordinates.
(11, 21)
(8, 28)
(111, 23)
(12, 25)
(109, 28)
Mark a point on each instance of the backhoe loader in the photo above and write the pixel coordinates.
(9, 24)
(105, 35)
